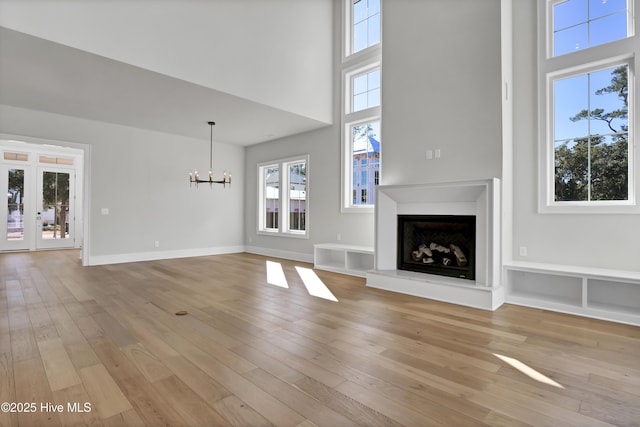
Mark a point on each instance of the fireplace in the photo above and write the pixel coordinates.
(479, 199)
(437, 244)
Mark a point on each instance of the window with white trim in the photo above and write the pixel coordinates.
(365, 24)
(361, 112)
(588, 54)
(283, 213)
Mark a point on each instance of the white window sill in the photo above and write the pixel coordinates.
(358, 209)
(295, 235)
(589, 208)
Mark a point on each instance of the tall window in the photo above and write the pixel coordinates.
(587, 60)
(283, 197)
(361, 115)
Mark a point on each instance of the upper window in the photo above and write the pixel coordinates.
(580, 24)
(283, 212)
(587, 107)
(365, 90)
(365, 24)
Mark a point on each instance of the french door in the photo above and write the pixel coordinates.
(40, 184)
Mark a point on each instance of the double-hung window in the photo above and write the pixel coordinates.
(588, 55)
(361, 111)
(283, 199)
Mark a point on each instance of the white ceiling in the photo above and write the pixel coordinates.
(42, 75)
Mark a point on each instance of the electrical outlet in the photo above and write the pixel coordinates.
(157, 244)
(429, 154)
(523, 251)
(438, 154)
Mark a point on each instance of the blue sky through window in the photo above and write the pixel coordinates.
(366, 90)
(580, 24)
(366, 24)
(574, 94)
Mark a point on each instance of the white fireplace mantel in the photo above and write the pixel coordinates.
(477, 197)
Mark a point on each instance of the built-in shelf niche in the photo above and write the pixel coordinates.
(600, 293)
(346, 259)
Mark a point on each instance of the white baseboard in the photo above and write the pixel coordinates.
(158, 255)
(277, 253)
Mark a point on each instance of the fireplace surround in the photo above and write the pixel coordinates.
(477, 198)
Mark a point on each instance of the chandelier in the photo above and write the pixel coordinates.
(194, 177)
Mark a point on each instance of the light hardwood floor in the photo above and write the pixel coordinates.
(249, 353)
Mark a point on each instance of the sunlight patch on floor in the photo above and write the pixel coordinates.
(314, 285)
(528, 371)
(275, 275)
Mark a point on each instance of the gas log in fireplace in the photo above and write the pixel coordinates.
(437, 244)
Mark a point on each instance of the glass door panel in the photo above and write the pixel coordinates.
(54, 219)
(15, 205)
(15, 230)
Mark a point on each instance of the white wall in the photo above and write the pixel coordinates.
(441, 74)
(441, 89)
(325, 219)
(265, 51)
(142, 177)
(606, 241)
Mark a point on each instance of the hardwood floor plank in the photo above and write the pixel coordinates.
(78, 408)
(60, 371)
(32, 388)
(237, 413)
(129, 418)
(192, 409)
(343, 404)
(23, 345)
(399, 413)
(148, 364)
(106, 397)
(204, 386)
(617, 383)
(83, 320)
(303, 403)
(149, 405)
(114, 330)
(43, 326)
(7, 388)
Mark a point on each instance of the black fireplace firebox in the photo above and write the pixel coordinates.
(438, 244)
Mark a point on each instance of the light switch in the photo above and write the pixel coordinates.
(104, 211)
